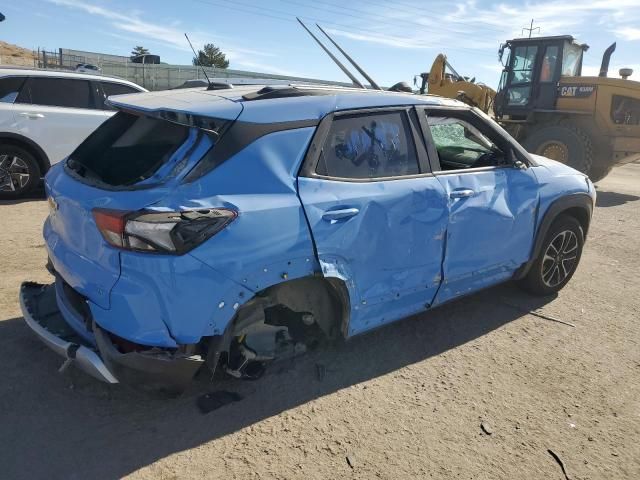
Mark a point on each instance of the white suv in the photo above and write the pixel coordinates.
(44, 116)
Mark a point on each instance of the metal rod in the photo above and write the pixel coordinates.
(197, 59)
(353, 62)
(332, 56)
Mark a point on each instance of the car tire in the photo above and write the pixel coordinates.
(19, 172)
(558, 258)
(565, 143)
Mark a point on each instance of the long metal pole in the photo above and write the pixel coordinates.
(337, 62)
(353, 62)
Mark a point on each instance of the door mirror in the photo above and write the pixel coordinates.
(514, 160)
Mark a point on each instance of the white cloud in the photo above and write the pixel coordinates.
(593, 71)
(168, 35)
(630, 33)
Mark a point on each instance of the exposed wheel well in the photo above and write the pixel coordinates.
(29, 146)
(579, 214)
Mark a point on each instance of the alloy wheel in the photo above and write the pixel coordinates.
(14, 173)
(560, 258)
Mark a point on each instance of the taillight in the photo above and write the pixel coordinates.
(163, 232)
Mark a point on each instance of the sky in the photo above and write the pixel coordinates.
(393, 40)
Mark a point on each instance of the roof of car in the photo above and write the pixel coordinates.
(301, 102)
(33, 72)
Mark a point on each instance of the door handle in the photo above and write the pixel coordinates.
(462, 193)
(33, 116)
(333, 215)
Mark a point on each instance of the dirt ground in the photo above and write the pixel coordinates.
(406, 401)
(14, 55)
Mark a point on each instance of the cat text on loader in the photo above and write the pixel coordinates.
(589, 123)
(443, 80)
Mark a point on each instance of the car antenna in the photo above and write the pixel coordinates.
(332, 56)
(353, 62)
(197, 59)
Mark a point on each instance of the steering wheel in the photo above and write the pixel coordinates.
(485, 160)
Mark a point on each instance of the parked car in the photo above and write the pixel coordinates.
(44, 116)
(204, 228)
(87, 68)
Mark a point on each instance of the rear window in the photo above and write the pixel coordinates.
(57, 92)
(9, 88)
(127, 149)
(109, 88)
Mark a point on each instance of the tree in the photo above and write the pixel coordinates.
(211, 56)
(138, 50)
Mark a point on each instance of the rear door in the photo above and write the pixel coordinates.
(57, 113)
(377, 214)
(492, 200)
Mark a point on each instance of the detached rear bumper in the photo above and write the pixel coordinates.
(41, 313)
(150, 369)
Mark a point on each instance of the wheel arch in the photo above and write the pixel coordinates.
(327, 299)
(32, 147)
(577, 205)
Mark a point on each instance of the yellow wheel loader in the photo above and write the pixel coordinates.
(443, 80)
(589, 123)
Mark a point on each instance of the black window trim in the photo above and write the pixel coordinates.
(460, 112)
(93, 95)
(312, 157)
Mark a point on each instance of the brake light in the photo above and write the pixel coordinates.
(162, 232)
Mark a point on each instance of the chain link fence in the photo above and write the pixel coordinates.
(157, 76)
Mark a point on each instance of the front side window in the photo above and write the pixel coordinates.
(57, 92)
(524, 59)
(9, 88)
(460, 145)
(369, 146)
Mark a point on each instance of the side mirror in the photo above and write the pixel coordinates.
(515, 161)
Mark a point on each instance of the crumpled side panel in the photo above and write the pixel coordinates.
(269, 242)
(389, 254)
(490, 234)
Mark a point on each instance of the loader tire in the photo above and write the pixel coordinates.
(598, 172)
(565, 143)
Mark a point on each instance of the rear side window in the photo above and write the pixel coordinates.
(109, 89)
(57, 92)
(9, 88)
(127, 149)
(369, 146)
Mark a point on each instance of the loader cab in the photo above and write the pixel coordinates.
(532, 70)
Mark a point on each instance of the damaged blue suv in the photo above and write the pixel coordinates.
(222, 229)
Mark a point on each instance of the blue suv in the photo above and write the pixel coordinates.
(226, 228)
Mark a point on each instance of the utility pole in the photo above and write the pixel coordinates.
(530, 29)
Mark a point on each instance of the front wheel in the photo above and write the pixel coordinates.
(19, 172)
(558, 258)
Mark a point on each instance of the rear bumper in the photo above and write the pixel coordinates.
(41, 313)
(150, 369)
(625, 150)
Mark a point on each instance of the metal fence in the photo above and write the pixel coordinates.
(156, 77)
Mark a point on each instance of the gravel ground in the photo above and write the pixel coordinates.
(478, 389)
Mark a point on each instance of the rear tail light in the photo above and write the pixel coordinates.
(164, 232)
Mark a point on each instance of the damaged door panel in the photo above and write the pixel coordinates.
(490, 231)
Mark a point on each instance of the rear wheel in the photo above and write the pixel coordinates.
(19, 172)
(564, 143)
(558, 258)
